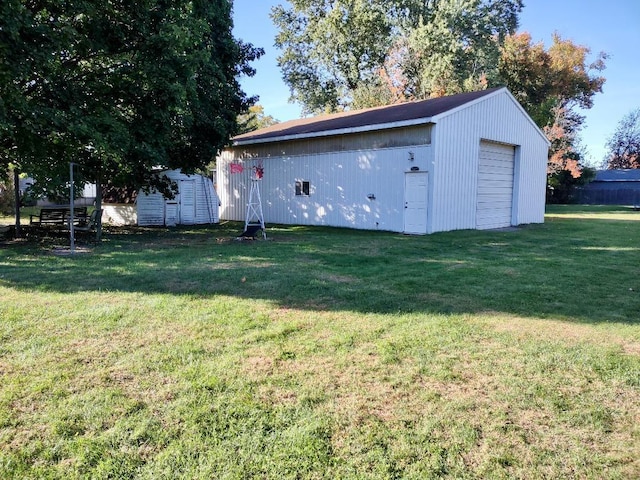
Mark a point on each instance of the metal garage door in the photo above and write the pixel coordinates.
(495, 185)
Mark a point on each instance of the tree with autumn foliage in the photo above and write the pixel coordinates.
(346, 54)
(551, 84)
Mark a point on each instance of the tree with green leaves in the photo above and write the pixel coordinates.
(254, 119)
(117, 88)
(624, 145)
(331, 47)
(339, 54)
(456, 48)
(343, 54)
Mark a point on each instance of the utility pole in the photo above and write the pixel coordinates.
(71, 214)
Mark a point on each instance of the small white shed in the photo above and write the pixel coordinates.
(468, 161)
(195, 203)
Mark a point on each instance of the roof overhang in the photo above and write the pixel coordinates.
(424, 112)
(339, 131)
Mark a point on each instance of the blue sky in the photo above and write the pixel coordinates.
(611, 26)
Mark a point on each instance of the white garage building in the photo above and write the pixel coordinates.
(468, 161)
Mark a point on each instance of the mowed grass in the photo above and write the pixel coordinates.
(325, 353)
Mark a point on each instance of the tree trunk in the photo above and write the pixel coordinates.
(99, 208)
(16, 188)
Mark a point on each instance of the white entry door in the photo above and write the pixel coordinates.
(187, 202)
(416, 188)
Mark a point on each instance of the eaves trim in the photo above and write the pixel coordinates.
(340, 131)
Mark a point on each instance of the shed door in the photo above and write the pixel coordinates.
(495, 185)
(415, 202)
(187, 201)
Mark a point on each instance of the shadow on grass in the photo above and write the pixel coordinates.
(572, 269)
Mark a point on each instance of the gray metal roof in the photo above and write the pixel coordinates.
(371, 117)
(625, 175)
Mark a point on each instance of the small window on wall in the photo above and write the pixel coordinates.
(302, 188)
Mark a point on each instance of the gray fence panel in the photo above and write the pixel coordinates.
(608, 197)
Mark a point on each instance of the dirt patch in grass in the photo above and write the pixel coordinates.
(488, 393)
(356, 387)
(554, 330)
(631, 348)
(257, 366)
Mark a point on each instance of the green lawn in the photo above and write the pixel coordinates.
(325, 353)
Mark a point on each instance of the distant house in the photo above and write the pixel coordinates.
(612, 187)
(86, 197)
(468, 161)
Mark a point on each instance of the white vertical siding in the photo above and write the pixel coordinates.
(151, 208)
(187, 201)
(342, 180)
(456, 144)
(340, 185)
(206, 201)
